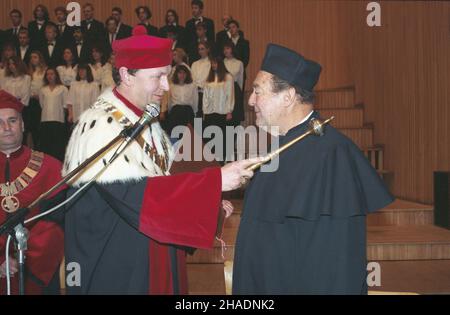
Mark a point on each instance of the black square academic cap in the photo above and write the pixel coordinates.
(291, 67)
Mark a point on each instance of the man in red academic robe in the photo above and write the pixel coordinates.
(129, 232)
(24, 176)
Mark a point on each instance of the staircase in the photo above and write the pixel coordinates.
(414, 255)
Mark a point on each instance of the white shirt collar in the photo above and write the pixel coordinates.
(307, 117)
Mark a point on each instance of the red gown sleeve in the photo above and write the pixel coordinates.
(182, 209)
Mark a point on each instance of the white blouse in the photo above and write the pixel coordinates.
(67, 74)
(236, 68)
(37, 82)
(200, 71)
(53, 103)
(97, 72)
(218, 97)
(20, 87)
(81, 96)
(185, 94)
(106, 80)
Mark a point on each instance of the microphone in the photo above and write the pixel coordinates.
(151, 111)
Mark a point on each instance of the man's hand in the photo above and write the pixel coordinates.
(227, 206)
(235, 175)
(13, 268)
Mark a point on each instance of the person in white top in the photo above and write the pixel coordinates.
(82, 94)
(32, 113)
(8, 51)
(179, 57)
(68, 71)
(200, 72)
(107, 81)
(218, 99)
(98, 61)
(17, 82)
(236, 68)
(53, 100)
(183, 99)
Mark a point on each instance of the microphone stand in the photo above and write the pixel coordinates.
(14, 225)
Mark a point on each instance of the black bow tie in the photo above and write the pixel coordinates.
(51, 44)
(79, 43)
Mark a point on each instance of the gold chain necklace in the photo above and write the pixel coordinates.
(9, 202)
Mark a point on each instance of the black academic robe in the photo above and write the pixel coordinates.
(303, 229)
(131, 238)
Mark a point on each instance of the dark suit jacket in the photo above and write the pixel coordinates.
(26, 58)
(56, 58)
(151, 30)
(37, 36)
(222, 38)
(124, 31)
(180, 33)
(190, 29)
(243, 51)
(95, 33)
(193, 54)
(85, 54)
(10, 37)
(67, 36)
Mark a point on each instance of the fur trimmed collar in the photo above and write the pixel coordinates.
(96, 128)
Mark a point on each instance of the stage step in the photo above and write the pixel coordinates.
(397, 277)
(344, 118)
(415, 242)
(335, 98)
(206, 279)
(401, 213)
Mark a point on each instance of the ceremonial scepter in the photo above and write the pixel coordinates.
(315, 128)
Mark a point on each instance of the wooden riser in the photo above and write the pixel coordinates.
(424, 242)
(362, 137)
(340, 98)
(421, 242)
(397, 277)
(400, 218)
(344, 118)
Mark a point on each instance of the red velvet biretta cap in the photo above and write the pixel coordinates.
(142, 51)
(9, 101)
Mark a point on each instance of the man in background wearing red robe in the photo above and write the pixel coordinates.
(24, 176)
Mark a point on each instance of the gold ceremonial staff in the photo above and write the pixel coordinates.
(315, 127)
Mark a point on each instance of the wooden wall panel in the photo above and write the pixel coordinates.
(402, 75)
(400, 71)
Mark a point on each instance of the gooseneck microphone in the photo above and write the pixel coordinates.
(151, 111)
